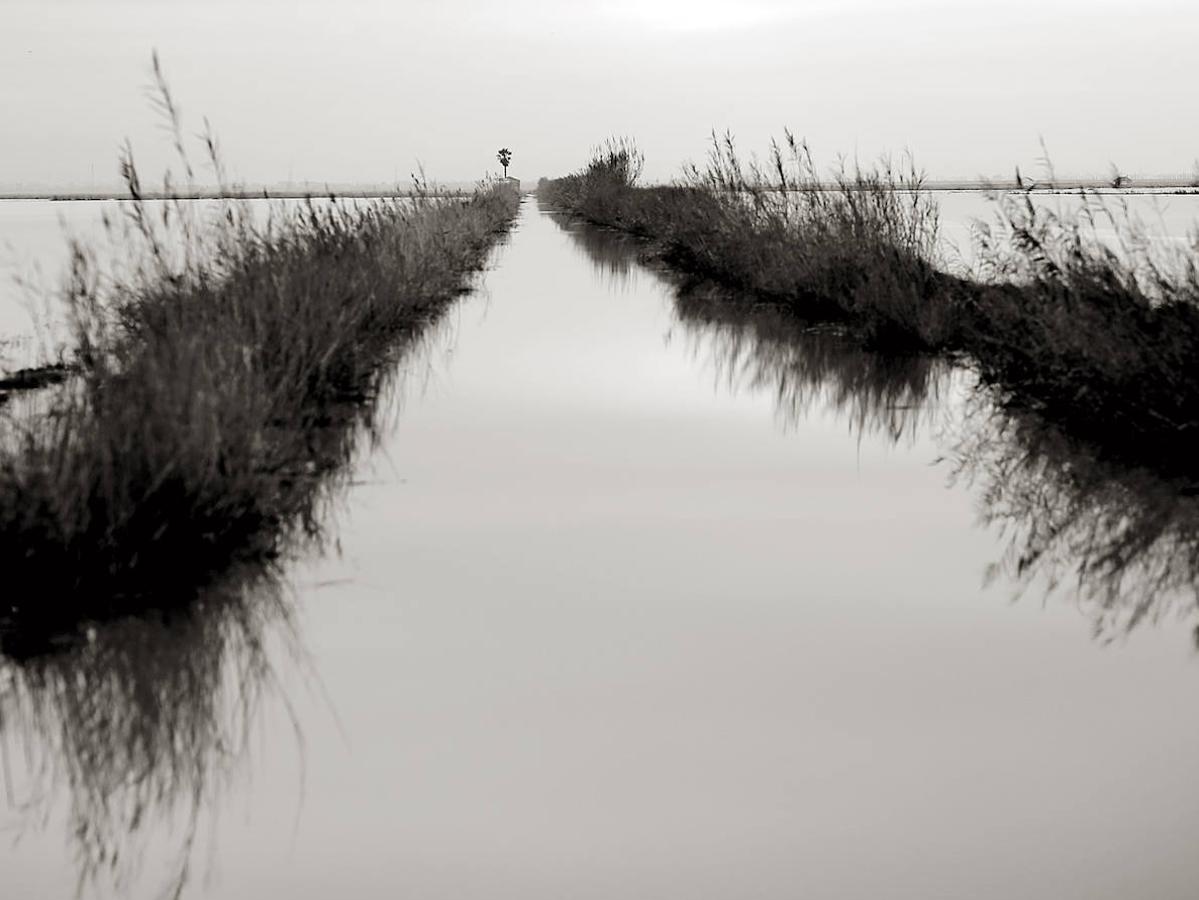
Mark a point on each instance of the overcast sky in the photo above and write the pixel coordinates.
(360, 90)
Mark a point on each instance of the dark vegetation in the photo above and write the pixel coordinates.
(1100, 340)
(756, 345)
(217, 378)
(1123, 540)
(217, 383)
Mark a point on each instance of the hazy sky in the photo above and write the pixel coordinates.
(359, 90)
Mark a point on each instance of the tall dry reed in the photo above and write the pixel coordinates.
(1102, 339)
(217, 379)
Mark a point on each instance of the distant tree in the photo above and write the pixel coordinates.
(505, 157)
(1195, 174)
(1118, 179)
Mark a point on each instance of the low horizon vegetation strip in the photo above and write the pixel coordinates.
(1100, 339)
(216, 378)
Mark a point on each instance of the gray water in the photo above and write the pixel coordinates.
(631, 602)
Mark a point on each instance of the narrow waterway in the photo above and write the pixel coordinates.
(633, 600)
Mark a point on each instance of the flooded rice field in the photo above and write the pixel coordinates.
(632, 595)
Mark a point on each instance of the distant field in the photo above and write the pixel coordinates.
(231, 195)
(1134, 186)
(1169, 185)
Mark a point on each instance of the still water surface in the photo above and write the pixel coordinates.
(636, 599)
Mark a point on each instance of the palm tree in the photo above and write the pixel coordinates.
(505, 157)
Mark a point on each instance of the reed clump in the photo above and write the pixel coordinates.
(856, 248)
(215, 381)
(1101, 335)
(1122, 539)
(1100, 338)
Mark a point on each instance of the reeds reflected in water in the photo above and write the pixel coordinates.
(612, 253)
(1100, 340)
(758, 346)
(1121, 541)
(134, 727)
(142, 725)
(809, 368)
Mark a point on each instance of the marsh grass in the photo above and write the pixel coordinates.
(143, 723)
(1082, 316)
(219, 374)
(1120, 540)
(855, 248)
(756, 346)
(1100, 338)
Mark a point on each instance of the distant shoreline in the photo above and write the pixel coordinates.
(1070, 185)
(229, 195)
(1061, 186)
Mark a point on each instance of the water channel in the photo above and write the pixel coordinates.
(638, 597)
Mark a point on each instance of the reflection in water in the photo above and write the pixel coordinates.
(612, 254)
(142, 722)
(142, 725)
(1125, 542)
(809, 368)
(756, 347)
